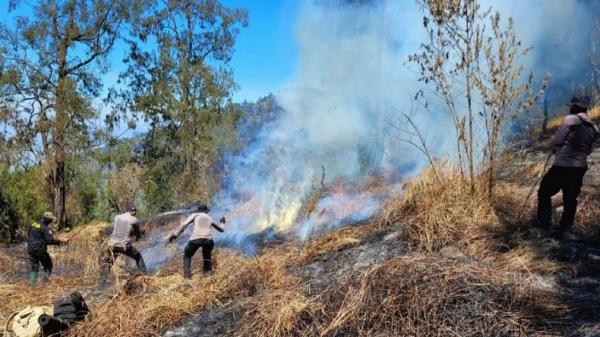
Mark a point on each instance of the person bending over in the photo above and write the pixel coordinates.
(126, 228)
(202, 237)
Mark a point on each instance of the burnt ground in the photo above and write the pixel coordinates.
(576, 286)
(329, 270)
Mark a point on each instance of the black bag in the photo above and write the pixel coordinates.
(67, 311)
(71, 309)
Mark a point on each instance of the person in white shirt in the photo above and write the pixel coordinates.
(126, 229)
(202, 237)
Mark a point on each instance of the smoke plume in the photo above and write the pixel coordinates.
(353, 76)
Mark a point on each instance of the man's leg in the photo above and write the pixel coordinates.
(35, 268)
(207, 247)
(132, 252)
(571, 190)
(107, 259)
(549, 186)
(188, 252)
(46, 261)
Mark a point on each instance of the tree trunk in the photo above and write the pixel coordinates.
(60, 194)
(60, 124)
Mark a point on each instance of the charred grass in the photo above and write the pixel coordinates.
(493, 291)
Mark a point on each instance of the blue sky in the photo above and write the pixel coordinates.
(265, 53)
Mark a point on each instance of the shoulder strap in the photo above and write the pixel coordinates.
(589, 124)
(583, 121)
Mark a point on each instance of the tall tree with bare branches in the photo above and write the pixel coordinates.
(472, 62)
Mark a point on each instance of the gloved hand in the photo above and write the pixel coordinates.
(222, 220)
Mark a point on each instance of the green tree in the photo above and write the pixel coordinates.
(178, 79)
(50, 65)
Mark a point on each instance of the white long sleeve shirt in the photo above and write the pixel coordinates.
(202, 226)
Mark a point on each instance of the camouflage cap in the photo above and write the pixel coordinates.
(49, 215)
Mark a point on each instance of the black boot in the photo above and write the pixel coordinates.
(187, 267)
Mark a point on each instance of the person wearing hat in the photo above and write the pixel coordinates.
(39, 237)
(571, 145)
(202, 237)
(126, 229)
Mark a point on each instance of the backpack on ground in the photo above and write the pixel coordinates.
(67, 311)
(25, 322)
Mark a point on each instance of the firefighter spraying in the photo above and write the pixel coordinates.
(202, 237)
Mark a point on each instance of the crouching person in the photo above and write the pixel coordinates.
(126, 228)
(202, 237)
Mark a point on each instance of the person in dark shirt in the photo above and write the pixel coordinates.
(39, 237)
(572, 144)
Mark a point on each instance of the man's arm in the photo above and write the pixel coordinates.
(49, 238)
(221, 226)
(135, 231)
(175, 233)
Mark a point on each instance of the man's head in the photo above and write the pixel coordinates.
(579, 104)
(48, 217)
(132, 210)
(202, 208)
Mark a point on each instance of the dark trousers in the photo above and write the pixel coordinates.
(35, 258)
(567, 179)
(191, 248)
(108, 256)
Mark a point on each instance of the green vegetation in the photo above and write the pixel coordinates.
(62, 152)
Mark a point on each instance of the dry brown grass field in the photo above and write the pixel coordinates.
(469, 268)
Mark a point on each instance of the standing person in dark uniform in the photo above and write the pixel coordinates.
(126, 228)
(571, 144)
(39, 237)
(202, 237)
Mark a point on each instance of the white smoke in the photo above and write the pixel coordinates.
(353, 74)
(558, 31)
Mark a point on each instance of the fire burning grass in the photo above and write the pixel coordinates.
(492, 291)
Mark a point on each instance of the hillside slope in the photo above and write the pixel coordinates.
(436, 261)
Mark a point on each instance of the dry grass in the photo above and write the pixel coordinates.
(7, 264)
(434, 215)
(76, 263)
(280, 312)
(331, 242)
(154, 303)
(424, 296)
(416, 295)
(527, 259)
